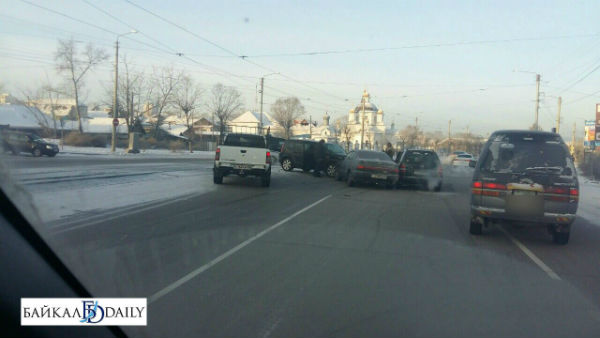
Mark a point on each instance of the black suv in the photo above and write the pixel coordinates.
(17, 142)
(299, 154)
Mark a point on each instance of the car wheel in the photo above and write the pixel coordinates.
(560, 238)
(475, 228)
(331, 169)
(286, 164)
(37, 152)
(265, 180)
(350, 179)
(217, 179)
(52, 155)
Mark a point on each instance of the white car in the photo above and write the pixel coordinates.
(462, 160)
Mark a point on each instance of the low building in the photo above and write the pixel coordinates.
(61, 107)
(249, 122)
(25, 118)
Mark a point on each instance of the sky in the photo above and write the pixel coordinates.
(472, 62)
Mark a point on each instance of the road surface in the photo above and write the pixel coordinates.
(312, 257)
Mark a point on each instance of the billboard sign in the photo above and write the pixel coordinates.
(590, 133)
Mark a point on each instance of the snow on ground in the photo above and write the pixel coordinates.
(75, 151)
(78, 151)
(589, 200)
(58, 201)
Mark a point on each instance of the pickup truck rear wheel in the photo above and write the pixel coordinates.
(217, 178)
(560, 238)
(475, 228)
(286, 164)
(37, 152)
(265, 180)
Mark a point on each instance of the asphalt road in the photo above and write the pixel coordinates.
(312, 257)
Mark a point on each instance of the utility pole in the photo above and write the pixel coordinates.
(449, 137)
(537, 100)
(115, 99)
(362, 130)
(262, 89)
(116, 96)
(310, 126)
(558, 115)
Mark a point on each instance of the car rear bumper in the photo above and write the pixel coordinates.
(366, 177)
(501, 214)
(418, 180)
(226, 170)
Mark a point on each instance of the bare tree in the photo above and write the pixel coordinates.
(285, 111)
(75, 65)
(224, 103)
(131, 86)
(187, 98)
(410, 135)
(165, 83)
(344, 131)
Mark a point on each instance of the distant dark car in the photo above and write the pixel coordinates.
(366, 166)
(420, 168)
(17, 142)
(300, 154)
(527, 177)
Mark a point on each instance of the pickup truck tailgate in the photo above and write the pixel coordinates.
(243, 155)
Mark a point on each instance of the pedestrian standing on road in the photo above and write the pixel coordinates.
(319, 157)
(389, 150)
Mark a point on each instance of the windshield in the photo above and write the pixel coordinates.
(336, 149)
(248, 168)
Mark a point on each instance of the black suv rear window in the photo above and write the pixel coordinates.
(424, 159)
(249, 141)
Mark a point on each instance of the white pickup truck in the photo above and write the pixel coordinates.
(243, 155)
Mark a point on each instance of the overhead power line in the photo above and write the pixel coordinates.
(431, 45)
(87, 23)
(227, 50)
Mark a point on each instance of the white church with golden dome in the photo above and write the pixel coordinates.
(374, 136)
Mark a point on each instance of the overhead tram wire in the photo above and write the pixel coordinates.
(432, 45)
(242, 57)
(128, 25)
(585, 76)
(215, 69)
(88, 24)
(206, 66)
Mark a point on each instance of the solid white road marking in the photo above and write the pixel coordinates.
(230, 252)
(531, 255)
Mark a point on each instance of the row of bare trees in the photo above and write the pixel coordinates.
(151, 96)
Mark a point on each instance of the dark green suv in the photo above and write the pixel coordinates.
(17, 142)
(299, 154)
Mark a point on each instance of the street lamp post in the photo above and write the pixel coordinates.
(116, 96)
